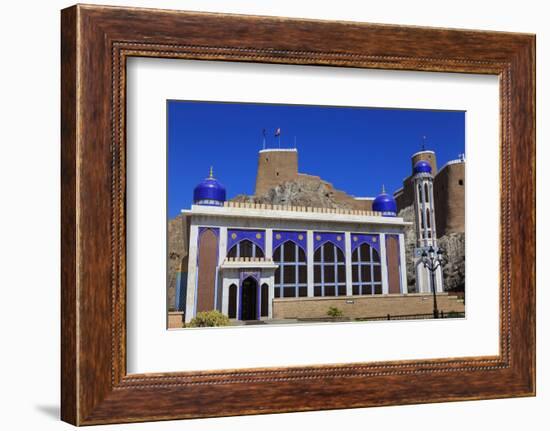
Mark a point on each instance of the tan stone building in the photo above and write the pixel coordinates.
(449, 192)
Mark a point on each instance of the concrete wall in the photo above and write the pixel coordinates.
(364, 306)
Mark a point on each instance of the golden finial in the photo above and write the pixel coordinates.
(211, 172)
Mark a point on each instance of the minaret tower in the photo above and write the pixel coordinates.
(425, 225)
(424, 205)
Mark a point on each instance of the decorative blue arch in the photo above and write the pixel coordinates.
(360, 238)
(299, 238)
(319, 238)
(235, 236)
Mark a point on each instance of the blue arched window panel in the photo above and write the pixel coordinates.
(366, 271)
(329, 270)
(291, 275)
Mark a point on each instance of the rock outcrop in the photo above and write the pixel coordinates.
(453, 245)
(306, 191)
(177, 254)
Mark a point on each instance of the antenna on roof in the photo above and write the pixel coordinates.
(295, 142)
(211, 172)
(383, 189)
(424, 143)
(263, 133)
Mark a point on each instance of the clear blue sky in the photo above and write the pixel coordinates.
(356, 149)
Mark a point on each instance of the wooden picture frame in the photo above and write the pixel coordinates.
(95, 43)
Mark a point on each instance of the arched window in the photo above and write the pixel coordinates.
(291, 275)
(426, 193)
(329, 271)
(245, 248)
(428, 220)
(232, 308)
(366, 271)
(420, 200)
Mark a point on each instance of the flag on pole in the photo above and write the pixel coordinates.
(278, 132)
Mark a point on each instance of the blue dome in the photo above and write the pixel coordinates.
(209, 192)
(422, 167)
(385, 204)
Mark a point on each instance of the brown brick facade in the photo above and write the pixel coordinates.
(208, 250)
(392, 258)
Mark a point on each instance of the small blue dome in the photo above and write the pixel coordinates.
(422, 167)
(385, 204)
(209, 192)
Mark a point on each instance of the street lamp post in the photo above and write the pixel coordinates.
(432, 260)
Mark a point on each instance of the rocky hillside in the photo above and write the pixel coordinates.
(301, 192)
(454, 246)
(177, 253)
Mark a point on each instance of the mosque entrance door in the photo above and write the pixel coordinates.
(249, 299)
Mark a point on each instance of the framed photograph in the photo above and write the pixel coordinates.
(265, 215)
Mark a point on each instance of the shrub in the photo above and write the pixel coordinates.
(210, 318)
(334, 312)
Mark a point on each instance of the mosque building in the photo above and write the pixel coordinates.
(261, 262)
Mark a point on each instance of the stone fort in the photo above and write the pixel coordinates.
(279, 166)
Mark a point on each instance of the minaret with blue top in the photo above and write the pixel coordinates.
(209, 192)
(425, 224)
(424, 204)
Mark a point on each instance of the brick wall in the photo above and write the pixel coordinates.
(175, 319)
(364, 306)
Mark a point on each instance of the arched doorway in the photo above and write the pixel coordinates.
(249, 299)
